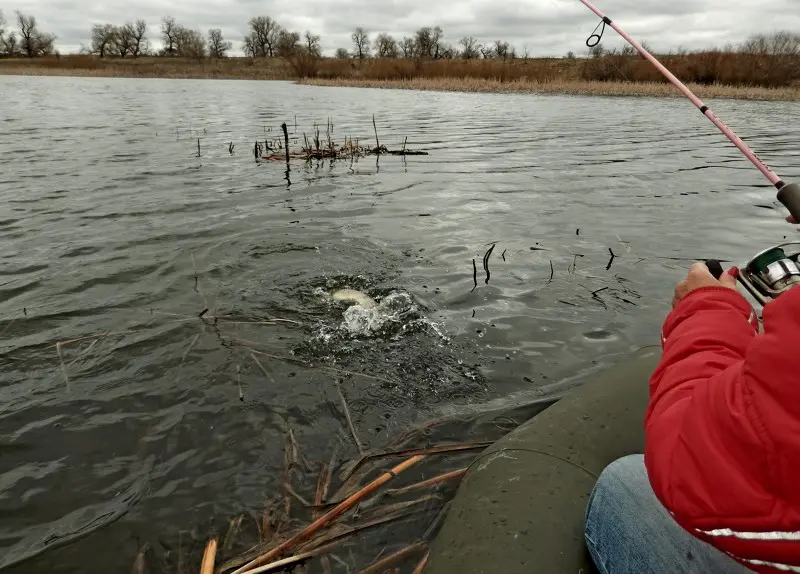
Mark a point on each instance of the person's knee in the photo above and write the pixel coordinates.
(619, 480)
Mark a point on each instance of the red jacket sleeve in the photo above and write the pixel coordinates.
(723, 423)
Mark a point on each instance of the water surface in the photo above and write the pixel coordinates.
(149, 426)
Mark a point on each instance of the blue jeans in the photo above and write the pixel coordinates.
(629, 530)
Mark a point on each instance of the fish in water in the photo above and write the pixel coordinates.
(353, 296)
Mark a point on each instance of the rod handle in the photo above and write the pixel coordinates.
(715, 267)
(789, 196)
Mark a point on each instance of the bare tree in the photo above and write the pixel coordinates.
(217, 45)
(123, 40)
(263, 38)
(169, 31)
(448, 52)
(190, 43)
(103, 39)
(471, 47)
(139, 44)
(288, 44)
(313, 44)
(342, 54)
(9, 43)
(487, 52)
(2, 34)
(33, 42)
(428, 42)
(360, 43)
(502, 50)
(407, 47)
(386, 46)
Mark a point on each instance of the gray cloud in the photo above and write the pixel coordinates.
(543, 27)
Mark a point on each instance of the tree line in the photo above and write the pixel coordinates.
(268, 39)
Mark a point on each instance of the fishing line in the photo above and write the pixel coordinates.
(788, 194)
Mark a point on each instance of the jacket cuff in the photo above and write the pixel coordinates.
(712, 296)
(733, 296)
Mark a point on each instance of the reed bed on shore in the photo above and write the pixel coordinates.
(568, 87)
(711, 74)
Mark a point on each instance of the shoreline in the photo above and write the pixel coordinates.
(274, 70)
(564, 87)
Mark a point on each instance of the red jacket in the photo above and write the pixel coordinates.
(723, 426)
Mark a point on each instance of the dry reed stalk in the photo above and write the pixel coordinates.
(323, 482)
(340, 372)
(83, 353)
(233, 532)
(424, 427)
(139, 564)
(440, 449)
(349, 420)
(267, 532)
(210, 554)
(382, 564)
(392, 509)
(431, 481)
(332, 514)
(296, 559)
(191, 346)
(418, 569)
(341, 562)
(63, 366)
(296, 453)
(340, 532)
(263, 370)
(296, 495)
(326, 565)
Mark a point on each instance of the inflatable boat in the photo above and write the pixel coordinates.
(520, 508)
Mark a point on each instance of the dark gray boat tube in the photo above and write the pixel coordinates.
(521, 506)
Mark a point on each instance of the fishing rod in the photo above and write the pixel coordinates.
(772, 271)
(788, 194)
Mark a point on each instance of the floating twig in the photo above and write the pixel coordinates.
(332, 514)
(198, 147)
(503, 254)
(552, 271)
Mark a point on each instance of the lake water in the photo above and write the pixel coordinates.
(125, 420)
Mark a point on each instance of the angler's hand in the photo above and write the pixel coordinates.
(791, 219)
(700, 276)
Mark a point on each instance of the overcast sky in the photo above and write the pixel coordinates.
(544, 27)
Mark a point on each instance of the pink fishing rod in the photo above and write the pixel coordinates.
(788, 194)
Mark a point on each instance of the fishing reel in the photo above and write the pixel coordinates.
(772, 272)
(768, 273)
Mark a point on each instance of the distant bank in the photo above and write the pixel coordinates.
(725, 75)
(567, 87)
